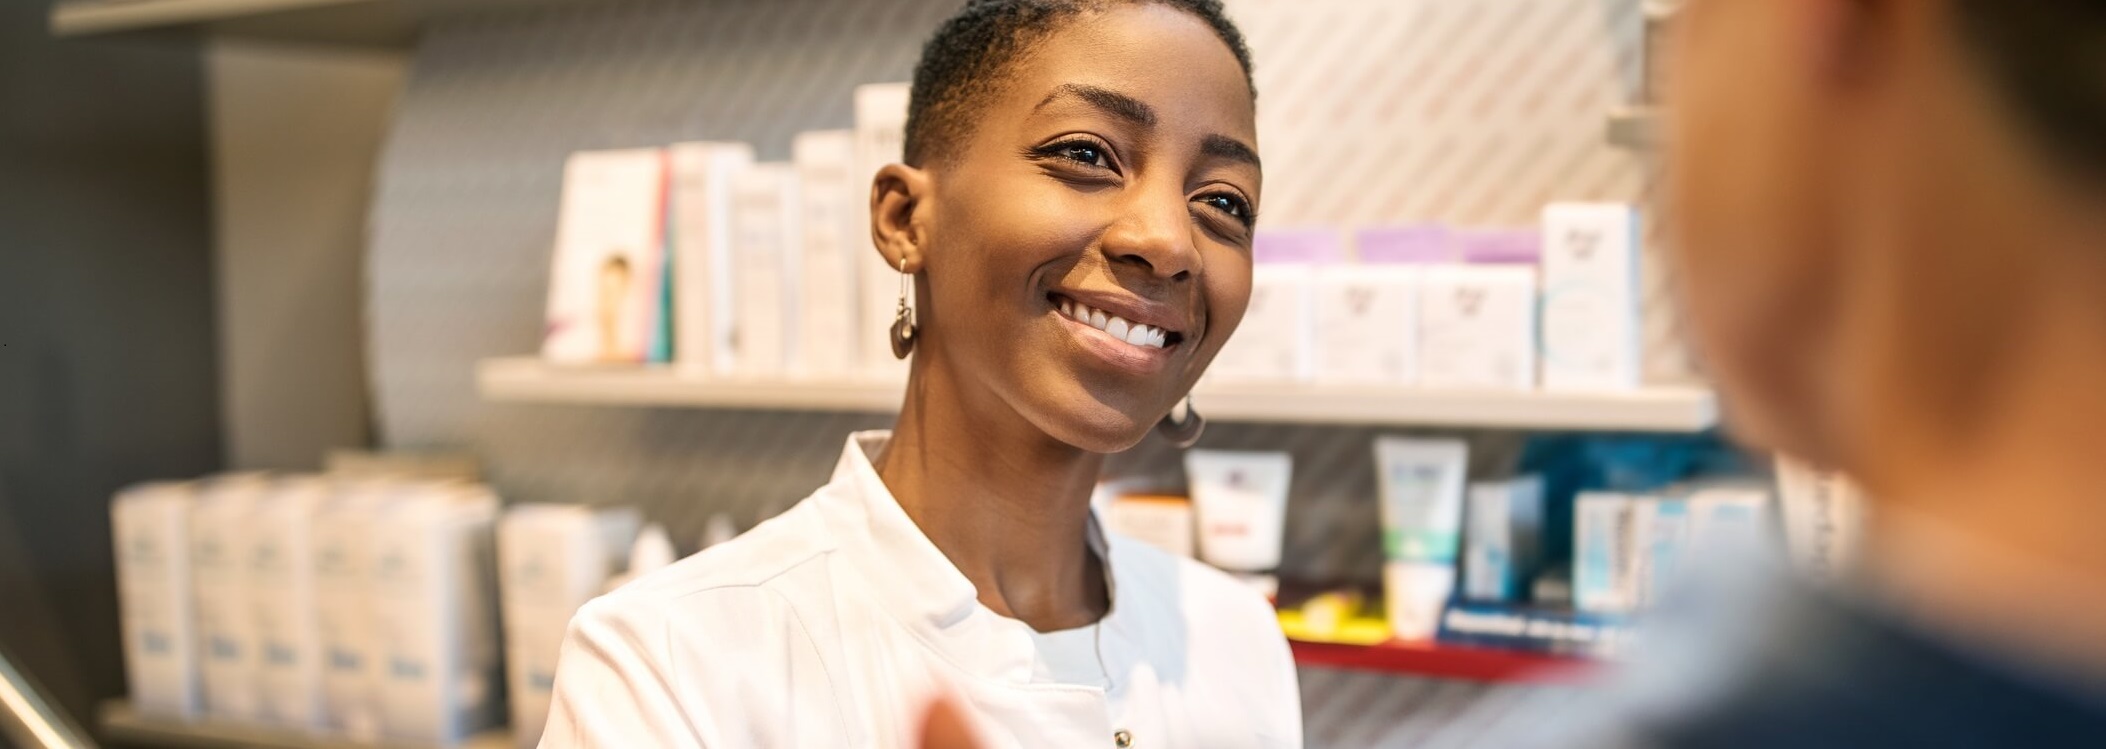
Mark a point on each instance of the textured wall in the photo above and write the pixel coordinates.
(1473, 112)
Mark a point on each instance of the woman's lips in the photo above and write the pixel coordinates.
(1118, 328)
(1143, 358)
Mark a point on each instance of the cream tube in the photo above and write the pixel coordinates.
(1241, 500)
(1422, 500)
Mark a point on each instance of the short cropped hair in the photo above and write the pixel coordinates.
(2047, 59)
(969, 58)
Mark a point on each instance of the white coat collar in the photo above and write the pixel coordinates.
(919, 586)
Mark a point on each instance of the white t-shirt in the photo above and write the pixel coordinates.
(835, 624)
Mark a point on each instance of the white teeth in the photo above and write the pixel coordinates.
(1118, 327)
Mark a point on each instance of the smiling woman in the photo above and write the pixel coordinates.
(1075, 212)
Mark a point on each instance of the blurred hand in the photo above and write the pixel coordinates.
(944, 728)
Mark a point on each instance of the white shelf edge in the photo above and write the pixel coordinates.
(89, 17)
(1654, 409)
(122, 722)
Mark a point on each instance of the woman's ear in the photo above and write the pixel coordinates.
(898, 215)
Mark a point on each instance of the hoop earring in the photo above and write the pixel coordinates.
(1183, 425)
(903, 327)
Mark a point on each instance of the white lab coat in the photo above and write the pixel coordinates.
(834, 625)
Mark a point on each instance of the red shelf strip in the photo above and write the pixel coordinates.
(1446, 662)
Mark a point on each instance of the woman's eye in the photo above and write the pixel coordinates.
(1229, 204)
(1083, 153)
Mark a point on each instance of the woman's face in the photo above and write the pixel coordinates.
(1116, 169)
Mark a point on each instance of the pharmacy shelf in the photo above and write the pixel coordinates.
(1446, 662)
(1660, 409)
(123, 724)
(386, 23)
(1634, 128)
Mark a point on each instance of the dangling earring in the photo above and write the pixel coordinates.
(903, 320)
(1182, 425)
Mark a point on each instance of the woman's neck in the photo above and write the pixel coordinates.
(1007, 504)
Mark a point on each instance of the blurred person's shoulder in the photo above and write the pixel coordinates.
(1765, 659)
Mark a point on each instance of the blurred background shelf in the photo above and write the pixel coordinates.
(123, 724)
(383, 23)
(1446, 662)
(1656, 409)
(1636, 128)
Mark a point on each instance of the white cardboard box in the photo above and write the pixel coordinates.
(1276, 340)
(551, 560)
(880, 139)
(604, 288)
(283, 577)
(434, 584)
(1502, 541)
(768, 269)
(1367, 324)
(151, 526)
(1590, 297)
(1605, 553)
(833, 244)
(343, 533)
(1477, 327)
(222, 537)
(703, 291)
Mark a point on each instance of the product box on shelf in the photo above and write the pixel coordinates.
(1477, 327)
(1535, 629)
(880, 139)
(1823, 515)
(605, 292)
(833, 244)
(1502, 542)
(1275, 342)
(1367, 324)
(703, 289)
(343, 531)
(434, 604)
(1732, 518)
(1605, 552)
(1521, 247)
(551, 560)
(1590, 297)
(768, 268)
(222, 537)
(1660, 526)
(284, 596)
(151, 528)
(1160, 521)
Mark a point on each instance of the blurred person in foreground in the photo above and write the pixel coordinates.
(1889, 222)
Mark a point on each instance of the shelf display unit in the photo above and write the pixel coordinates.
(1655, 409)
(122, 723)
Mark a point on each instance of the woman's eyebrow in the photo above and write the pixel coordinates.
(1112, 102)
(1229, 148)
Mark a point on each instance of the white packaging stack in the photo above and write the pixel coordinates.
(283, 585)
(222, 535)
(1660, 528)
(1590, 297)
(880, 139)
(1503, 541)
(768, 269)
(1732, 519)
(551, 560)
(343, 554)
(703, 289)
(1477, 327)
(150, 524)
(1823, 515)
(832, 244)
(1605, 554)
(1274, 343)
(604, 300)
(1367, 324)
(434, 601)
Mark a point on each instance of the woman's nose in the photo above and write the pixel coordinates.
(1155, 233)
